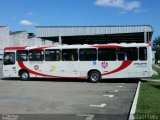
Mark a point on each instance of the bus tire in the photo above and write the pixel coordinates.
(24, 75)
(94, 76)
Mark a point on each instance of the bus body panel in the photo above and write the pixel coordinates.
(80, 69)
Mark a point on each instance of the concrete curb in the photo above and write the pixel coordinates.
(134, 104)
(151, 80)
(157, 66)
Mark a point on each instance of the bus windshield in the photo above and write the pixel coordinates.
(9, 58)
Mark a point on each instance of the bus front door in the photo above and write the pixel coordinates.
(9, 69)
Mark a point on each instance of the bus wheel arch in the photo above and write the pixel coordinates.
(24, 74)
(94, 75)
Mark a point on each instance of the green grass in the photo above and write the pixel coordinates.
(156, 76)
(149, 99)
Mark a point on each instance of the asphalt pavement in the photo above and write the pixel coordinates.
(66, 99)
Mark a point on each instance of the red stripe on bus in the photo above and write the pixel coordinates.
(23, 48)
(124, 65)
(22, 66)
(20, 63)
(15, 48)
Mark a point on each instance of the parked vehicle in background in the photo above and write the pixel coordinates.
(1, 54)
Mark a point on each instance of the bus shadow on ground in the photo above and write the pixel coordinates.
(122, 80)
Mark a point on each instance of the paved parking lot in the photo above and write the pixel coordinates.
(67, 99)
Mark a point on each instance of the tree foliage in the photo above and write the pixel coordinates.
(156, 47)
(156, 41)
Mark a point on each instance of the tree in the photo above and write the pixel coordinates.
(156, 47)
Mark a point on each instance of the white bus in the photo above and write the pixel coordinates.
(93, 62)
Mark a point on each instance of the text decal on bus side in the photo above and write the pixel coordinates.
(104, 64)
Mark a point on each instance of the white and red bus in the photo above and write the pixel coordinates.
(93, 62)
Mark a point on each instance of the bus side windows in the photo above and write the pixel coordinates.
(70, 54)
(142, 53)
(121, 54)
(52, 55)
(89, 54)
(107, 54)
(36, 55)
(9, 58)
(22, 55)
(132, 53)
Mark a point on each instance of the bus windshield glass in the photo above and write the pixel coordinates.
(9, 58)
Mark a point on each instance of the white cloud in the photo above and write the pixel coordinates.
(26, 22)
(134, 5)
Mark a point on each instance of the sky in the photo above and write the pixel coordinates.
(21, 15)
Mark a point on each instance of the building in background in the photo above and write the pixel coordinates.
(57, 35)
(4, 37)
(95, 34)
(19, 38)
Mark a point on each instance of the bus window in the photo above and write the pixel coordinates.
(142, 53)
(9, 58)
(52, 55)
(88, 54)
(132, 53)
(22, 55)
(107, 54)
(70, 54)
(121, 54)
(36, 55)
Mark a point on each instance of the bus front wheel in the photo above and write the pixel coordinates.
(24, 75)
(94, 76)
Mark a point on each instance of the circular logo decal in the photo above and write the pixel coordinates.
(36, 67)
(104, 64)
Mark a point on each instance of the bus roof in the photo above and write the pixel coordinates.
(114, 45)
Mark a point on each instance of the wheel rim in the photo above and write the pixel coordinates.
(25, 75)
(94, 77)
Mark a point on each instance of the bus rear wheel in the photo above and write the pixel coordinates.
(94, 76)
(24, 75)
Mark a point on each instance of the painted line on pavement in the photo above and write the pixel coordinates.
(110, 96)
(116, 90)
(100, 106)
